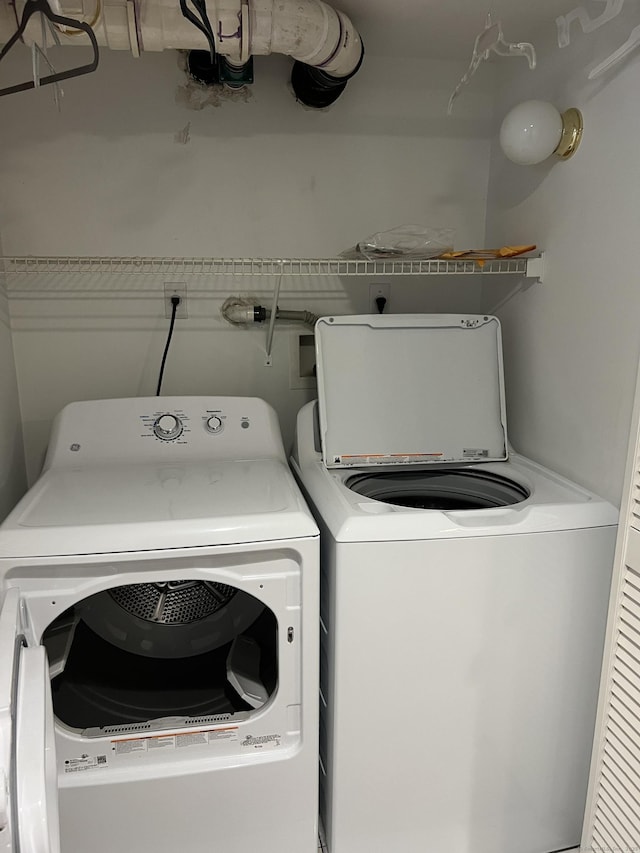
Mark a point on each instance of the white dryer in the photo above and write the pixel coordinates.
(158, 635)
(463, 599)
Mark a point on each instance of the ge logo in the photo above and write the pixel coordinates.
(74, 447)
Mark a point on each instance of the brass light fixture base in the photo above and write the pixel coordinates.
(572, 127)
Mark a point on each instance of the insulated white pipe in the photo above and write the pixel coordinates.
(309, 31)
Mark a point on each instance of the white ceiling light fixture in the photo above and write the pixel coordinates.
(534, 130)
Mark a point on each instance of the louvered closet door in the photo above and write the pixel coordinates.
(612, 821)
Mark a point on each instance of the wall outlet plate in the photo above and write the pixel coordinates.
(379, 291)
(175, 288)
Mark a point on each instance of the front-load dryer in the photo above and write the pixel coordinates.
(158, 635)
(463, 599)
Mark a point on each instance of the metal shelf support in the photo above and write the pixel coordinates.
(535, 267)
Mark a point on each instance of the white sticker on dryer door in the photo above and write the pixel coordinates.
(85, 762)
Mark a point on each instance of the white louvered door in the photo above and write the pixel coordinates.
(612, 820)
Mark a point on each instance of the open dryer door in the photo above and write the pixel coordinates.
(29, 821)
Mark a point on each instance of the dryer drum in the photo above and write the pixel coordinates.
(173, 602)
(170, 619)
(444, 490)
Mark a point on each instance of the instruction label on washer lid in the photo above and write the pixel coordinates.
(475, 453)
(85, 762)
(174, 740)
(386, 458)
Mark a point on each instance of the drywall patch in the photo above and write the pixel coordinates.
(195, 96)
(183, 137)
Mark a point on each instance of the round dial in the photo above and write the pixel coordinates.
(213, 424)
(167, 427)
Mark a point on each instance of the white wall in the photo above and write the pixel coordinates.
(12, 468)
(110, 175)
(572, 343)
(113, 175)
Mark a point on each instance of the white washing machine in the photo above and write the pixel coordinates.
(463, 599)
(158, 636)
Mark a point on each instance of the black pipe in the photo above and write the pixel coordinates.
(202, 69)
(315, 88)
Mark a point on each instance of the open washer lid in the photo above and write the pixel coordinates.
(410, 389)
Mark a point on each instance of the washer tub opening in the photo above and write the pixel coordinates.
(459, 489)
(140, 652)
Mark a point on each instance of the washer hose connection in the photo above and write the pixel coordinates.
(245, 312)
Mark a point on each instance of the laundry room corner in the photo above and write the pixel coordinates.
(572, 342)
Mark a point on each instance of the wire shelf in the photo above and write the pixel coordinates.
(525, 266)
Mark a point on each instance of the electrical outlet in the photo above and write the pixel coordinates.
(379, 291)
(175, 288)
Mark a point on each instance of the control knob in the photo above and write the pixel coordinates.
(213, 424)
(167, 427)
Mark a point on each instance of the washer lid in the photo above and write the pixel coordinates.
(410, 389)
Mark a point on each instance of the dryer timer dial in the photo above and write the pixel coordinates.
(167, 427)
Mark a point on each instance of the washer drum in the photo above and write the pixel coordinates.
(170, 619)
(457, 489)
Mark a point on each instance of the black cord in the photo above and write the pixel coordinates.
(175, 301)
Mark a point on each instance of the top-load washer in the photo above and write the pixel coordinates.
(158, 634)
(463, 598)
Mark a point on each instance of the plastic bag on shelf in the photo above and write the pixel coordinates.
(419, 242)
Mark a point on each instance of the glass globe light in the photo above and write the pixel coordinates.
(534, 130)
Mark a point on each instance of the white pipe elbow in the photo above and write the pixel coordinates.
(315, 34)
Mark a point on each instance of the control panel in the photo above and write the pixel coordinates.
(165, 428)
(179, 424)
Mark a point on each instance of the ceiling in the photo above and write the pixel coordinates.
(446, 29)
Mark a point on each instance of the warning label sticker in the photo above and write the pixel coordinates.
(85, 762)
(475, 453)
(227, 740)
(387, 458)
(178, 740)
